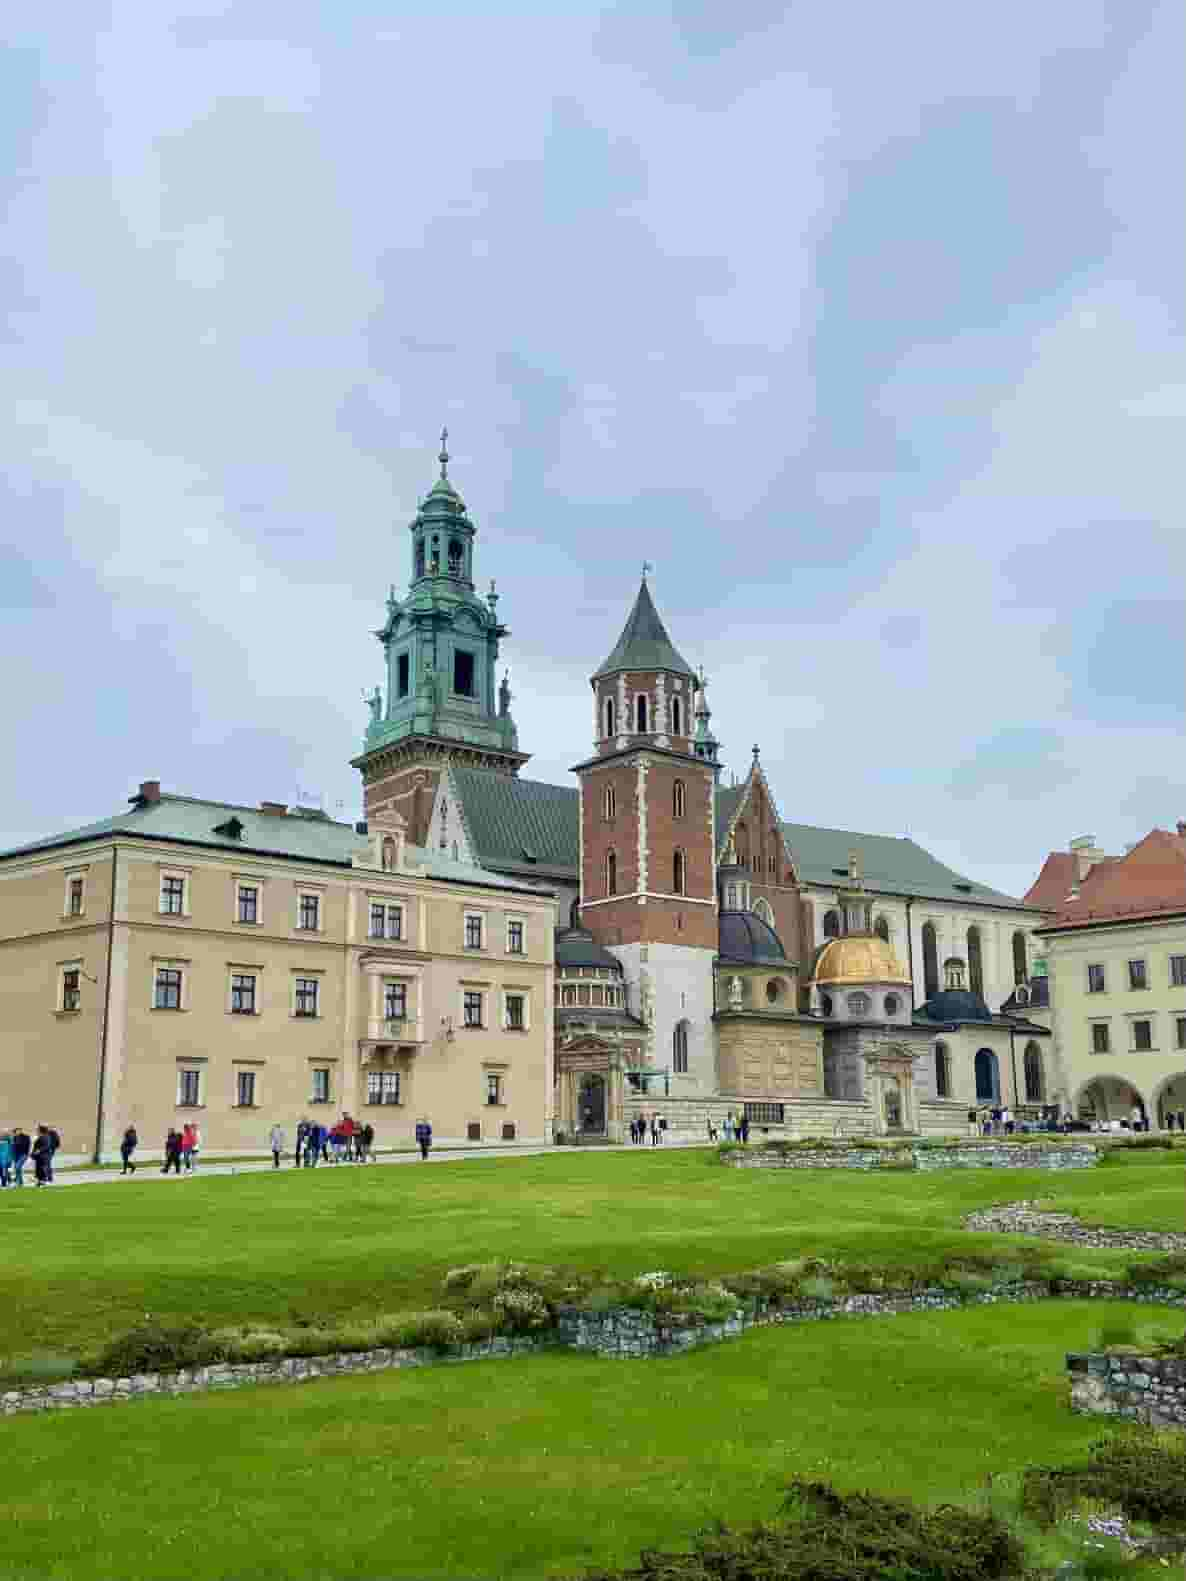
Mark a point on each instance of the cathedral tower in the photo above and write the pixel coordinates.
(647, 860)
(440, 648)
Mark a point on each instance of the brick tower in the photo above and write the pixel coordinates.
(647, 860)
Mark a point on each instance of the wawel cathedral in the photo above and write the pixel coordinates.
(710, 956)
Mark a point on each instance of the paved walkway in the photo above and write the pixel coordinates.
(149, 1170)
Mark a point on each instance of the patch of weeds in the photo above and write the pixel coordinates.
(1142, 1473)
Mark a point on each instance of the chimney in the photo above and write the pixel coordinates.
(1086, 854)
(274, 809)
(149, 792)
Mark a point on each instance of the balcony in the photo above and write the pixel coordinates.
(398, 1035)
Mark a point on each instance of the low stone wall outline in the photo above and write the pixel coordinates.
(1147, 1389)
(1002, 1155)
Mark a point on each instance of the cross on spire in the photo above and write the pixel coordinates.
(646, 566)
(443, 458)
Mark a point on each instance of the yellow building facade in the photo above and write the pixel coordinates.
(242, 968)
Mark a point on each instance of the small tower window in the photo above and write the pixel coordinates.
(420, 557)
(942, 1071)
(677, 717)
(456, 554)
(640, 711)
(975, 964)
(678, 873)
(831, 924)
(1020, 968)
(930, 960)
(678, 799)
(463, 673)
(611, 873)
(609, 716)
(403, 671)
(609, 803)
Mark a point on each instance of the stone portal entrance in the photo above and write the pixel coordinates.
(889, 1085)
(589, 1082)
(591, 1106)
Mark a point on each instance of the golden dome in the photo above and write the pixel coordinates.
(863, 959)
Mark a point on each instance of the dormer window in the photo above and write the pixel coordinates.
(232, 829)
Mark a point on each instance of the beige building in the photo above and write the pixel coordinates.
(240, 967)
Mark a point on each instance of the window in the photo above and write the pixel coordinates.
(471, 1005)
(321, 1090)
(420, 557)
(677, 720)
(640, 713)
(825, 1004)
(189, 1089)
(569, 994)
(382, 1086)
(609, 804)
(463, 673)
(387, 856)
(765, 1113)
(831, 924)
(942, 1071)
(309, 913)
(403, 674)
(679, 1049)
(975, 963)
(172, 896)
(892, 1003)
(930, 961)
(1136, 975)
(1178, 971)
(395, 922)
(168, 988)
(245, 1089)
(1101, 1041)
(611, 873)
(1035, 1087)
(515, 938)
(1095, 980)
(679, 799)
(516, 1013)
(859, 1004)
(493, 1087)
(1180, 1030)
(248, 903)
(72, 988)
(763, 909)
(243, 993)
(455, 554)
(1020, 966)
(881, 929)
(395, 1001)
(677, 873)
(1142, 1036)
(609, 716)
(378, 916)
(473, 930)
(306, 996)
(74, 894)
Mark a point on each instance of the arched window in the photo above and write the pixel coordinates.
(609, 716)
(1020, 965)
(420, 557)
(762, 909)
(678, 799)
(389, 854)
(975, 962)
(677, 717)
(1035, 1089)
(679, 1048)
(609, 803)
(988, 1086)
(455, 554)
(942, 1071)
(881, 929)
(678, 873)
(930, 961)
(640, 706)
(611, 872)
(831, 924)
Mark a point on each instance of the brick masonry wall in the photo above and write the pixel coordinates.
(1148, 1389)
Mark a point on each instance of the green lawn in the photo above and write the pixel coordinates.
(84, 1263)
(536, 1466)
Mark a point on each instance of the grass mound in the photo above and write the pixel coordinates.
(1142, 1473)
(823, 1535)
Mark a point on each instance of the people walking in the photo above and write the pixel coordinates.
(743, 1128)
(312, 1145)
(655, 1130)
(973, 1123)
(276, 1143)
(5, 1158)
(423, 1137)
(127, 1147)
(55, 1141)
(43, 1156)
(1007, 1120)
(21, 1146)
(302, 1132)
(172, 1153)
(366, 1139)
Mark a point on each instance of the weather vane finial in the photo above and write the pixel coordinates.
(646, 566)
(443, 458)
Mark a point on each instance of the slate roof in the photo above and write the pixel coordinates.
(644, 643)
(578, 947)
(520, 825)
(744, 938)
(302, 837)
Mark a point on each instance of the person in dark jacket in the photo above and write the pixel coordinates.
(302, 1133)
(126, 1148)
(312, 1145)
(55, 1141)
(423, 1137)
(367, 1139)
(172, 1152)
(20, 1154)
(43, 1152)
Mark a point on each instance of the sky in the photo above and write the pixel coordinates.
(863, 324)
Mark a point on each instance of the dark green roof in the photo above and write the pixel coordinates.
(729, 798)
(519, 824)
(644, 643)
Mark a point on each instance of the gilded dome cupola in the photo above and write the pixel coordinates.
(858, 976)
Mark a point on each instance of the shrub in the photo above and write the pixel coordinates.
(817, 1287)
(152, 1347)
(1143, 1473)
(437, 1329)
(1169, 1270)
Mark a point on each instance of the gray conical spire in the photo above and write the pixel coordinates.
(644, 643)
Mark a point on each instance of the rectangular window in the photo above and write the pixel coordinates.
(243, 993)
(395, 1001)
(514, 938)
(168, 988)
(472, 1008)
(1178, 971)
(189, 1088)
(377, 915)
(493, 1087)
(1142, 1035)
(309, 914)
(1136, 975)
(245, 1089)
(516, 1013)
(172, 896)
(403, 670)
(306, 996)
(72, 988)
(321, 1091)
(383, 1086)
(473, 931)
(1095, 980)
(248, 903)
(74, 900)
(395, 922)
(463, 673)
(1101, 1041)
(764, 1113)
(1181, 1029)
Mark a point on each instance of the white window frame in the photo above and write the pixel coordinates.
(521, 922)
(481, 1023)
(188, 1068)
(1179, 1024)
(381, 1102)
(1142, 962)
(1142, 1015)
(63, 968)
(239, 1072)
(184, 874)
(470, 915)
(1103, 966)
(309, 892)
(497, 1074)
(388, 905)
(160, 964)
(74, 875)
(237, 969)
(1106, 1023)
(516, 993)
(327, 1072)
(1170, 970)
(249, 881)
(306, 976)
(395, 982)
(374, 906)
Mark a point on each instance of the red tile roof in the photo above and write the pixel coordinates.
(1053, 884)
(1150, 880)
